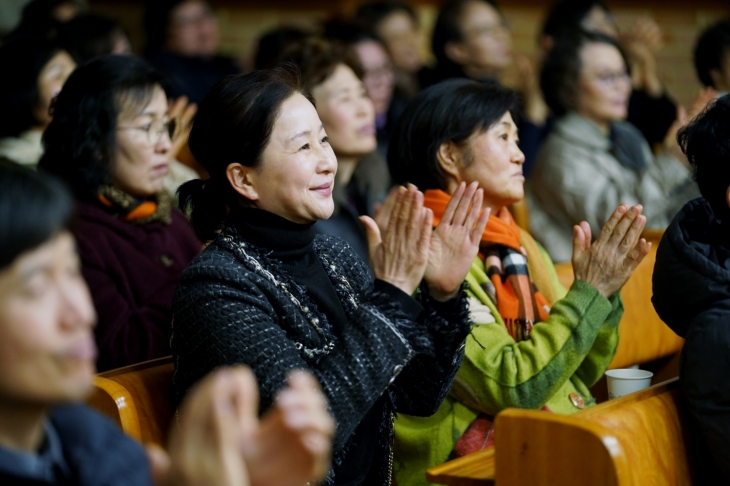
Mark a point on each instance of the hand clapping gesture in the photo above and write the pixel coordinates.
(609, 262)
(442, 257)
(220, 440)
(455, 242)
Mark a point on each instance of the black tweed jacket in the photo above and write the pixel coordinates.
(235, 304)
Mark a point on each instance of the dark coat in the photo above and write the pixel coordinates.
(96, 451)
(691, 285)
(236, 305)
(132, 271)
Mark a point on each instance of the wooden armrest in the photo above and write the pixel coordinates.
(473, 470)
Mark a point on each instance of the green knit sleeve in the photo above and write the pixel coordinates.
(498, 373)
(601, 354)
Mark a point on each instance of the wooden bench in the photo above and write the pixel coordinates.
(636, 440)
(139, 398)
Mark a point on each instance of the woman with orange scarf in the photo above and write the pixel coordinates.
(533, 344)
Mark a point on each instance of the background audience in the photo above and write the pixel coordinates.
(397, 26)
(110, 142)
(182, 40)
(40, 67)
(712, 57)
(594, 160)
(87, 36)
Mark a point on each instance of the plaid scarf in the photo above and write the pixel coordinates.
(519, 302)
(137, 211)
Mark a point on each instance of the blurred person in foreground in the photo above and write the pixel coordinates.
(533, 344)
(690, 284)
(183, 40)
(594, 160)
(48, 437)
(110, 142)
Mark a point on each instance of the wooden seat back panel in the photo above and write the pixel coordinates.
(139, 398)
(637, 440)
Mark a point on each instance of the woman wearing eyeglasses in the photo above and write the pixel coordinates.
(110, 141)
(594, 160)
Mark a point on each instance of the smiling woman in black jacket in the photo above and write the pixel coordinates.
(691, 286)
(269, 293)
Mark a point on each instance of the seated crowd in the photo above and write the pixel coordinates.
(325, 244)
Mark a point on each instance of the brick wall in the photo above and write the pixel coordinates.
(241, 23)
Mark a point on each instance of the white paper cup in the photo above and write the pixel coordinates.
(623, 382)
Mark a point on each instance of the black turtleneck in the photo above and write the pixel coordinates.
(292, 244)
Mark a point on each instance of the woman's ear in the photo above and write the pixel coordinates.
(456, 52)
(727, 197)
(449, 158)
(242, 180)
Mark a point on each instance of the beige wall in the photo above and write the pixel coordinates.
(242, 22)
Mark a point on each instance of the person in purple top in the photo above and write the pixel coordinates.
(110, 142)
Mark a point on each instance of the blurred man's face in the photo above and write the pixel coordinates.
(47, 350)
(193, 30)
(400, 35)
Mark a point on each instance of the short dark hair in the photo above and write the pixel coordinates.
(706, 143)
(272, 43)
(348, 31)
(317, 59)
(80, 141)
(37, 20)
(452, 110)
(567, 15)
(711, 49)
(448, 29)
(562, 66)
(33, 208)
(156, 22)
(24, 60)
(372, 13)
(88, 36)
(233, 124)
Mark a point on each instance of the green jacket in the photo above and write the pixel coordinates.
(567, 353)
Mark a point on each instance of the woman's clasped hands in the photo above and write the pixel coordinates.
(608, 262)
(404, 250)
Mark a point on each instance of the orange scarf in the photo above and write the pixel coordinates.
(519, 302)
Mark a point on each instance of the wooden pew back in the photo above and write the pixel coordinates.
(139, 398)
(637, 440)
(643, 335)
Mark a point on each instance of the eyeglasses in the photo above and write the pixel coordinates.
(609, 79)
(155, 131)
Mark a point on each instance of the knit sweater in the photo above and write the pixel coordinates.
(565, 354)
(236, 304)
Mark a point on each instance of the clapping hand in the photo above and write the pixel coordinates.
(221, 441)
(455, 242)
(609, 261)
(182, 113)
(398, 244)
